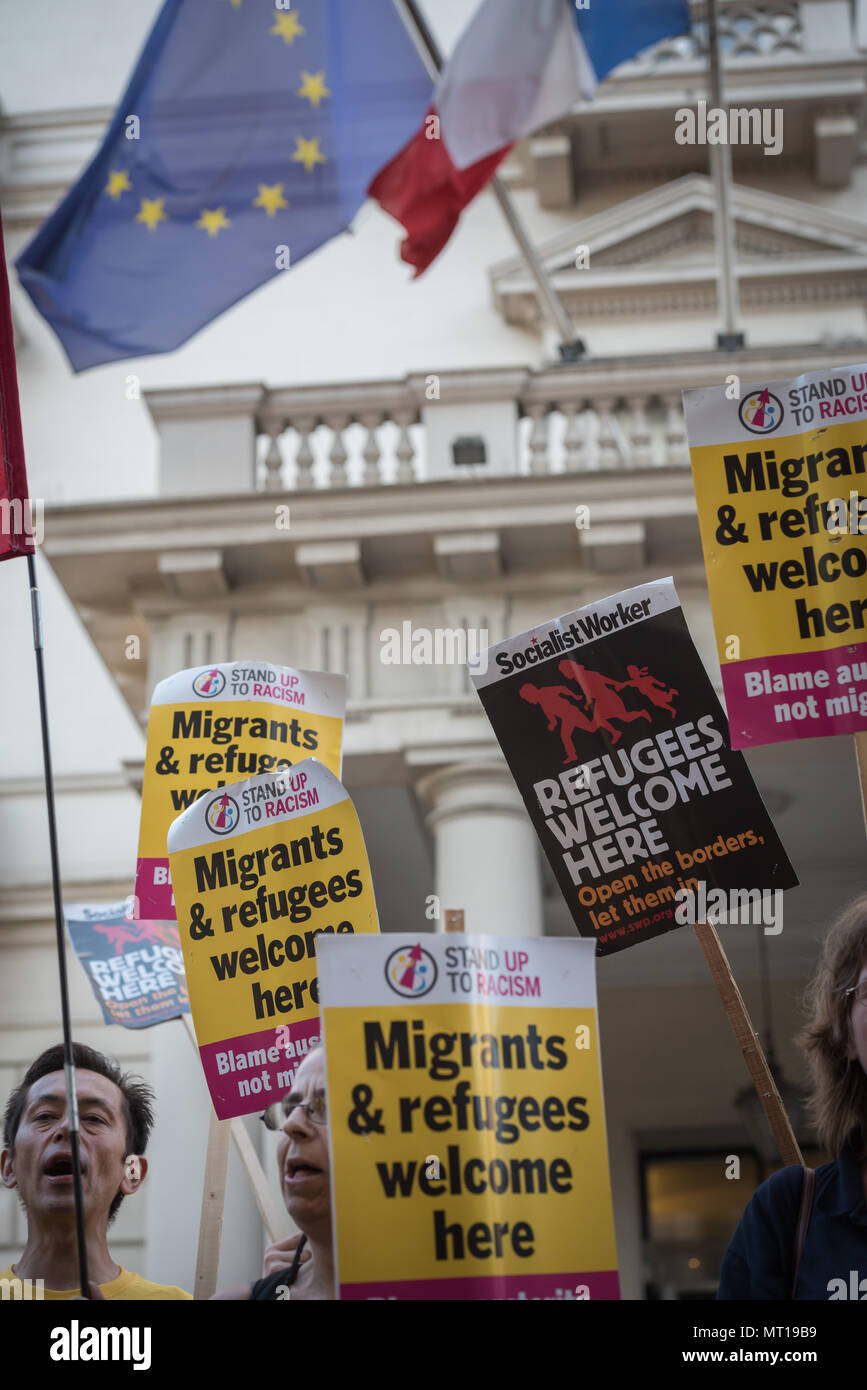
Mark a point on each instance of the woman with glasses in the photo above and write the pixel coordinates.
(303, 1164)
(804, 1232)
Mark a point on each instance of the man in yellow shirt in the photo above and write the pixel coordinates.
(115, 1119)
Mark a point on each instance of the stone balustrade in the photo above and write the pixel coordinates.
(747, 29)
(561, 420)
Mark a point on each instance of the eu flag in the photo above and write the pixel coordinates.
(246, 138)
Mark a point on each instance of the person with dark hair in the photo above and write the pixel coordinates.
(115, 1118)
(804, 1233)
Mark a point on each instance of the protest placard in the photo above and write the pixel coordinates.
(214, 725)
(619, 747)
(136, 969)
(779, 474)
(466, 1119)
(261, 872)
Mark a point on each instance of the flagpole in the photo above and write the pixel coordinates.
(721, 172)
(68, 1063)
(571, 348)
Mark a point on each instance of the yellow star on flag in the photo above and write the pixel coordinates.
(213, 220)
(270, 198)
(151, 212)
(118, 182)
(287, 27)
(313, 86)
(307, 152)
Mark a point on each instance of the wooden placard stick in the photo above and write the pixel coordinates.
(454, 919)
(749, 1043)
(213, 1200)
(274, 1217)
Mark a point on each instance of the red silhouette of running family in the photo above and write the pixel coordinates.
(138, 933)
(601, 701)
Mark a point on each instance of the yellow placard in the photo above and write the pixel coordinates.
(780, 474)
(252, 906)
(211, 727)
(785, 559)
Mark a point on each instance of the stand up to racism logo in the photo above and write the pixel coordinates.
(411, 971)
(222, 814)
(761, 412)
(209, 684)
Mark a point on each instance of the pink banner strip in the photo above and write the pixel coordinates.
(153, 889)
(601, 1286)
(775, 699)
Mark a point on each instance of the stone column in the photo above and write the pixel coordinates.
(487, 855)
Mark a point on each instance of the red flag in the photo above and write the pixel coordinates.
(16, 526)
(424, 191)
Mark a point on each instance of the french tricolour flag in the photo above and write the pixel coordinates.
(519, 65)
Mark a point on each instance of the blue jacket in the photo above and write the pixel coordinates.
(760, 1259)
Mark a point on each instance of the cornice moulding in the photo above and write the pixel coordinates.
(632, 217)
(196, 402)
(340, 513)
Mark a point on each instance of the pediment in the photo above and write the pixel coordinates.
(665, 238)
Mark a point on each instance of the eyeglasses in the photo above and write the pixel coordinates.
(859, 991)
(277, 1114)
